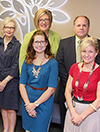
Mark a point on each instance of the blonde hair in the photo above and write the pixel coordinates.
(89, 41)
(9, 19)
(40, 13)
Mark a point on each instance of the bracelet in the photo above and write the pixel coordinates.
(7, 79)
(93, 107)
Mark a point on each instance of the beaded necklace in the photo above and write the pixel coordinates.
(86, 83)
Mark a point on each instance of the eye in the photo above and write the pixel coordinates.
(84, 51)
(40, 20)
(78, 25)
(90, 51)
(84, 25)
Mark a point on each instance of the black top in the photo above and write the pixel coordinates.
(9, 58)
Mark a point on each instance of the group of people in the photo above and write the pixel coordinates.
(43, 57)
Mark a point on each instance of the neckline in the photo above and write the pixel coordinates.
(87, 71)
(42, 64)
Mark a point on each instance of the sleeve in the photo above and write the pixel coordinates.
(23, 52)
(24, 76)
(73, 69)
(53, 78)
(54, 39)
(24, 48)
(14, 72)
(60, 58)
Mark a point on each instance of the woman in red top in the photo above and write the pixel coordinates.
(83, 114)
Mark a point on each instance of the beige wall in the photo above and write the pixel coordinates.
(90, 8)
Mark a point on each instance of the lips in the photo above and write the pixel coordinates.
(39, 48)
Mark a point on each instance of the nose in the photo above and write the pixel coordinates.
(43, 21)
(87, 54)
(81, 26)
(39, 44)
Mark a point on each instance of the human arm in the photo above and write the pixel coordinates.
(54, 39)
(68, 96)
(22, 54)
(61, 64)
(23, 49)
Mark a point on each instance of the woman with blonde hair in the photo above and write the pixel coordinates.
(9, 74)
(42, 21)
(83, 114)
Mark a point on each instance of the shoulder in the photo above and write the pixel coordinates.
(54, 34)
(16, 41)
(97, 67)
(53, 61)
(74, 66)
(68, 39)
(25, 64)
(30, 33)
(67, 42)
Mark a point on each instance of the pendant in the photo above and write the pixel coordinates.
(36, 72)
(85, 85)
(76, 83)
(80, 98)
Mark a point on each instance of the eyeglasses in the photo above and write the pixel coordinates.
(44, 20)
(39, 42)
(11, 28)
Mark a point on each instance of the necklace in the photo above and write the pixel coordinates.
(36, 72)
(86, 83)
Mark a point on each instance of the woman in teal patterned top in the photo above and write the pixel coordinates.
(37, 84)
(42, 21)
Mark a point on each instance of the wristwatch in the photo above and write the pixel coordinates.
(36, 103)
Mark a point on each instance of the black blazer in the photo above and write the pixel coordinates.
(66, 56)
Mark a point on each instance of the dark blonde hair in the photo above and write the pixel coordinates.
(90, 41)
(9, 19)
(40, 13)
(30, 50)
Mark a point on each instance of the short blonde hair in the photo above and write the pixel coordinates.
(9, 19)
(89, 41)
(40, 13)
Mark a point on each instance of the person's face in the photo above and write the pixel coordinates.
(44, 23)
(89, 54)
(81, 27)
(9, 29)
(39, 44)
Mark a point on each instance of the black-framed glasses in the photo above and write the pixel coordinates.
(44, 20)
(11, 28)
(39, 42)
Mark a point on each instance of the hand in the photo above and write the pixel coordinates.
(1, 89)
(77, 119)
(2, 86)
(33, 114)
(30, 107)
